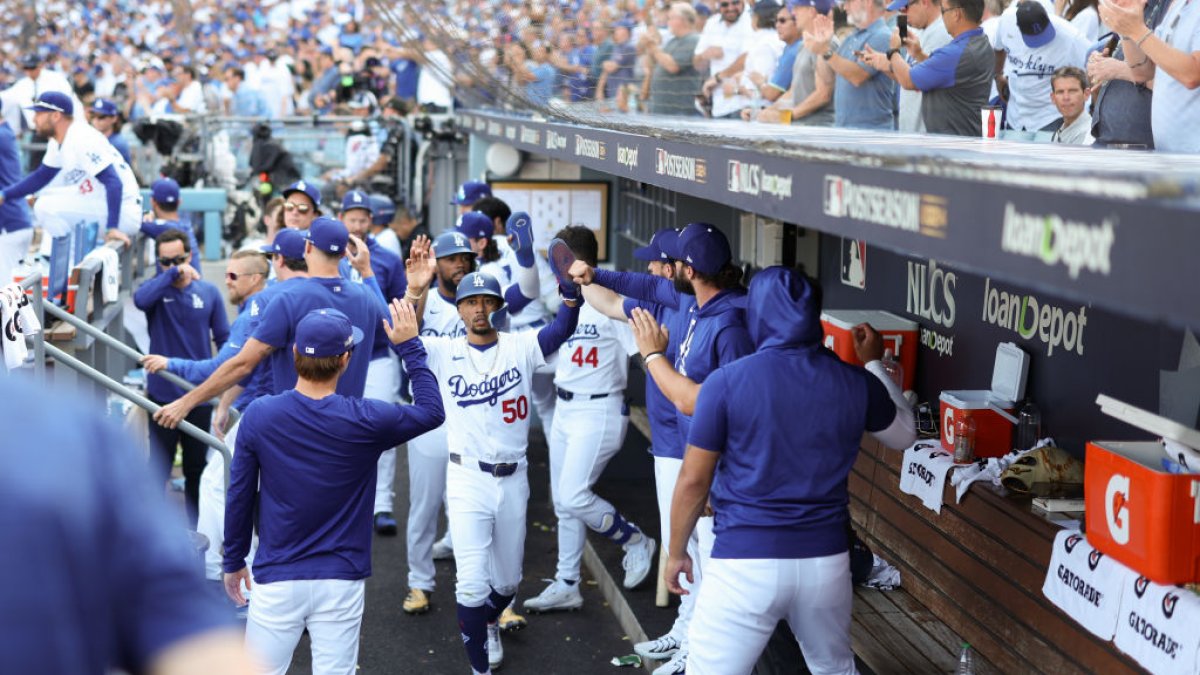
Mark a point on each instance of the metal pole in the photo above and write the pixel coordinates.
(34, 283)
(142, 402)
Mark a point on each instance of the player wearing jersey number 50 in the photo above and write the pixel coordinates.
(306, 459)
(591, 419)
(81, 174)
(780, 430)
(486, 383)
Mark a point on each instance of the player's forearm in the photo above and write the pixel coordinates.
(605, 301)
(902, 432)
(198, 371)
(36, 180)
(687, 503)
(426, 411)
(373, 285)
(527, 279)
(152, 290)
(552, 336)
(239, 509)
(679, 390)
(226, 375)
(643, 287)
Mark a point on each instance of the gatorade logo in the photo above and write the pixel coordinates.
(1140, 586)
(948, 425)
(1116, 508)
(1094, 559)
(1071, 542)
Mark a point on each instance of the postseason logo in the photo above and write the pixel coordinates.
(680, 166)
(898, 209)
(590, 147)
(751, 179)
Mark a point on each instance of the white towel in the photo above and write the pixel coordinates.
(991, 470)
(884, 576)
(19, 320)
(1085, 584)
(1157, 626)
(923, 473)
(110, 271)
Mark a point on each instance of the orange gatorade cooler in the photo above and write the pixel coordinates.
(899, 335)
(1137, 512)
(992, 408)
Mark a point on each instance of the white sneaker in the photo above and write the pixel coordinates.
(442, 550)
(658, 649)
(495, 650)
(677, 665)
(639, 559)
(558, 595)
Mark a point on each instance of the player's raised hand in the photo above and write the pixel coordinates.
(403, 326)
(154, 363)
(672, 570)
(420, 267)
(650, 336)
(359, 256)
(581, 273)
(117, 235)
(520, 237)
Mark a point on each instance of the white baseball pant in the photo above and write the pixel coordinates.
(741, 602)
(666, 474)
(427, 460)
(58, 209)
(210, 518)
(383, 383)
(588, 434)
(331, 610)
(487, 521)
(14, 246)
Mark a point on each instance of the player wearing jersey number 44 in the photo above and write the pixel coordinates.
(591, 419)
(485, 382)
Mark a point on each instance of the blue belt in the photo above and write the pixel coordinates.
(570, 396)
(497, 470)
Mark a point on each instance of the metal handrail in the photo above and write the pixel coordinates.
(146, 404)
(33, 282)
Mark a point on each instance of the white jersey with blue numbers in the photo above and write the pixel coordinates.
(486, 394)
(595, 360)
(441, 317)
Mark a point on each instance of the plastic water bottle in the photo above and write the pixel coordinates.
(893, 368)
(966, 661)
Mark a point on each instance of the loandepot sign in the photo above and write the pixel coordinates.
(1075, 245)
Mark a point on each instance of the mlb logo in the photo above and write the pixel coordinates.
(854, 263)
(310, 350)
(834, 197)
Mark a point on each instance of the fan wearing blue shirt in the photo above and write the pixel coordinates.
(275, 333)
(775, 437)
(863, 98)
(186, 315)
(383, 372)
(709, 331)
(305, 472)
(164, 212)
(245, 101)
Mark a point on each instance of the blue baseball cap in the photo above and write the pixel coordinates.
(897, 5)
(357, 199)
(328, 234)
(53, 101)
(475, 225)
(822, 6)
(307, 188)
(702, 9)
(663, 241)
(478, 283)
(383, 209)
(326, 332)
(103, 106)
(471, 192)
(451, 243)
(704, 247)
(165, 191)
(1034, 23)
(288, 243)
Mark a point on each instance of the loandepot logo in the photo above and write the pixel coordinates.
(555, 140)
(627, 156)
(1077, 246)
(752, 179)
(899, 209)
(1033, 320)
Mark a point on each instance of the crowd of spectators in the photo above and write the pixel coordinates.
(910, 65)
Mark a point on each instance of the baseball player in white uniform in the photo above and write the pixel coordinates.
(81, 175)
(427, 453)
(486, 381)
(592, 417)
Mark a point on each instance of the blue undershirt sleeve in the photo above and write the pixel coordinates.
(552, 336)
(113, 193)
(36, 180)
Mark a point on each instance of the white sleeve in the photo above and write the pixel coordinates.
(902, 432)
(625, 336)
(526, 279)
(435, 350)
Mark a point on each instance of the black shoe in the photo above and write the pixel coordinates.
(385, 524)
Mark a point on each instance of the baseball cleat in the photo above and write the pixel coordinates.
(495, 650)
(416, 602)
(639, 559)
(676, 666)
(385, 524)
(511, 621)
(559, 595)
(442, 550)
(658, 649)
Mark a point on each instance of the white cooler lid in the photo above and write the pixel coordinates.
(1148, 421)
(1010, 372)
(879, 319)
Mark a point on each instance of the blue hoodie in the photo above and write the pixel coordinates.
(788, 421)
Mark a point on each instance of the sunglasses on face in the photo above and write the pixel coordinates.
(234, 276)
(171, 262)
(300, 208)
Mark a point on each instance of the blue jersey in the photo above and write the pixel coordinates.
(296, 298)
(153, 228)
(180, 320)
(664, 424)
(787, 421)
(407, 74)
(99, 575)
(290, 449)
(198, 371)
(14, 213)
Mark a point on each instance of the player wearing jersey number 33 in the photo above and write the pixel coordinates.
(485, 379)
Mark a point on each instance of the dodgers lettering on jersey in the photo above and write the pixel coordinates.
(486, 394)
(595, 359)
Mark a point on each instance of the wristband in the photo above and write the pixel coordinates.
(650, 358)
(1143, 38)
(829, 53)
(408, 295)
